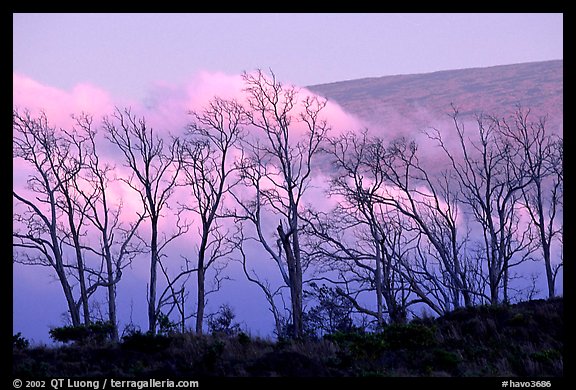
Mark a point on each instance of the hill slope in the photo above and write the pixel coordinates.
(526, 339)
(414, 101)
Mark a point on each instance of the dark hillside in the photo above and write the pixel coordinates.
(526, 339)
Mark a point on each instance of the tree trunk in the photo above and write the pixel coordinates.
(183, 312)
(295, 275)
(82, 279)
(112, 311)
(111, 291)
(61, 272)
(462, 283)
(493, 270)
(545, 242)
(79, 259)
(152, 317)
(494, 296)
(505, 284)
(201, 297)
(549, 272)
(72, 307)
(378, 283)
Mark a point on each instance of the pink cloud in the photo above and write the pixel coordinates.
(167, 106)
(340, 120)
(204, 86)
(59, 104)
(166, 109)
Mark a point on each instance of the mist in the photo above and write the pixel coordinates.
(38, 302)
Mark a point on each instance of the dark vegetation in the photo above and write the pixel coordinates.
(525, 339)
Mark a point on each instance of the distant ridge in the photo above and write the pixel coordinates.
(409, 102)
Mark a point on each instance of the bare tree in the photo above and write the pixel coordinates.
(344, 244)
(271, 294)
(402, 223)
(154, 170)
(279, 170)
(71, 204)
(70, 157)
(117, 242)
(357, 237)
(492, 176)
(430, 204)
(205, 159)
(37, 228)
(541, 153)
(175, 295)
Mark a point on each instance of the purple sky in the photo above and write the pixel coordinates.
(126, 53)
(68, 62)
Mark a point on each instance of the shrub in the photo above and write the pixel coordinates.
(409, 336)
(446, 360)
(243, 339)
(360, 345)
(19, 342)
(518, 319)
(332, 314)
(221, 322)
(213, 354)
(145, 342)
(97, 332)
(165, 325)
(546, 355)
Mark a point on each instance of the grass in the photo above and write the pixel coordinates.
(521, 340)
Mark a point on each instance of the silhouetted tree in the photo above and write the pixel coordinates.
(37, 228)
(222, 322)
(278, 168)
(68, 207)
(117, 241)
(332, 313)
(541, 154)
(492, 175)
(206, 166)
(154, 168)
(270, 293)
(348, 238)
(393, 231)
